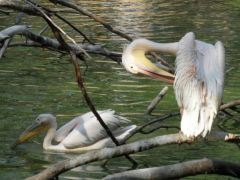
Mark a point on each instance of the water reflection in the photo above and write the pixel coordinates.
(33, 81)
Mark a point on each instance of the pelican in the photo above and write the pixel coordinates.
(198, 81)
(80, 134)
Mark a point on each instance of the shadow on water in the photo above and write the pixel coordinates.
(34, 81)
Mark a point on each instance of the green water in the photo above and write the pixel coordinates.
(34, 81)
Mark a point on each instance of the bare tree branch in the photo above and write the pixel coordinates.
(29, 10)
(50, 43)
(180, 170)
(11, 31)
(6, 35)
(229, 105)
(156, 100)
(76, 29)
(4, 12)
(92, 16)
(7, 41)
(130, 148)
(14, 5)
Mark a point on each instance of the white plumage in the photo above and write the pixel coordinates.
(199, 77)
(199, 83)
(80, 134)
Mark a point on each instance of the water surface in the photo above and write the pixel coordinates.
(34, 81)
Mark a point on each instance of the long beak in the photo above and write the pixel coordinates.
(30, 132)
(145, 66)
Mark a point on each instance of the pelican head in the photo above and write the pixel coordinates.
(135, 61)
(42, 123)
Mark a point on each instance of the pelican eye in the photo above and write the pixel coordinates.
(131, 67)
(38, 120)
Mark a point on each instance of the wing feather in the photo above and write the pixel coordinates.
(198, 83)
(90, 130)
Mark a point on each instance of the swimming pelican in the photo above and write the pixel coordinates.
(198, 82)
(80, 134)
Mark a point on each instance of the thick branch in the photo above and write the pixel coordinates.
(107, 153)
(54, 44)
(9, 32)
(7, 41)
(130, 148)
(14, 5)
(180, 170)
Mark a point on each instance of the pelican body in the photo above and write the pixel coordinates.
(80, 134)
(198, 80)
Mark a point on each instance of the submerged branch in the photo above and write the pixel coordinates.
(180, 170)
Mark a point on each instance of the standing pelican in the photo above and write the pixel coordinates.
(80, 134)
(198, 82)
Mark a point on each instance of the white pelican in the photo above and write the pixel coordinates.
(80, 134)
(199, 77)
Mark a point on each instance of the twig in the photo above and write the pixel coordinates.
(156, 100)
(43, 30)
(231, 68)
(159, 127)
(11, 4)
(230, 105)
(92, 16)
(46, 17)
(4, 12)
(64, 20)
(76, 29)
(140, 129)
(160, 119)
(180, 170)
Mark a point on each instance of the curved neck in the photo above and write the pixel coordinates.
(47, 142)
(147, 45)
